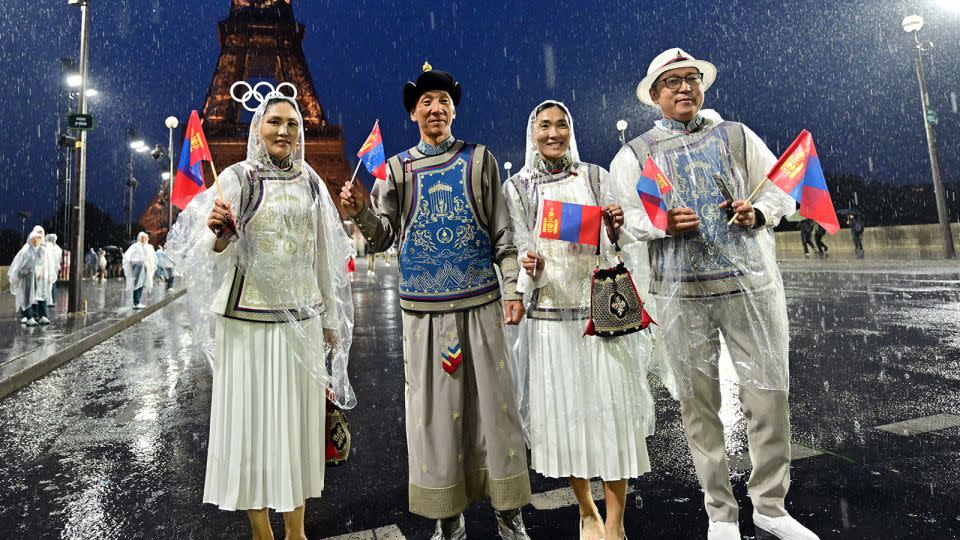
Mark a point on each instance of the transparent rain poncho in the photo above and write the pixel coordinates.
(720, 283)
(569, 383)
(286, 265)
(27, 273)
(139, 266)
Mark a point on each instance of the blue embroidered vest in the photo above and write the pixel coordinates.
(445, 251)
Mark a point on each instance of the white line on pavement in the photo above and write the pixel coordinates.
(925, 424)
(390, 532)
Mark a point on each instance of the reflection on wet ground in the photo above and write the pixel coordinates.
(103, 299)
(112, 445)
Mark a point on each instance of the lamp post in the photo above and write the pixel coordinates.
(74, 304)
(507, 166)
(171, 122)
(136, 145)
(622, 128)
(24, 216)
(912, 24)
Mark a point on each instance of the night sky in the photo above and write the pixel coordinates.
(842, 69)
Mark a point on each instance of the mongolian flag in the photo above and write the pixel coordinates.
(372, 153)
(571, 222)
(189, 180)
(798, 173)
(652, 187)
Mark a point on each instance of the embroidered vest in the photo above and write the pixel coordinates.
(445, 251)
(277, 213)
(706, 167)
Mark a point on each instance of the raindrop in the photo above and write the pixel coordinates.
(433, 21)
(550, 66)
(953, 101)
(870, 163)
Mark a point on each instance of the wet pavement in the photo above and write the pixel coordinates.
(104, 300)
(113, 444)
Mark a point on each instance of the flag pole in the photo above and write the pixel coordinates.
(750, 198)
(359, 162)
(216, 181)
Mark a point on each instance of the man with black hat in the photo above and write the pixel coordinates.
(443, 199)
(713, 273)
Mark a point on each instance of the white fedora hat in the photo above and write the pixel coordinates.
(672, 59)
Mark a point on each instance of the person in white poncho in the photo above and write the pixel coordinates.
(30, 280)
(264, 264)
(713, 272)
(587, 407)
(139, 266)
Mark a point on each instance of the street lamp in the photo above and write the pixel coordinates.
(24, 216)
(79, 199)
(507, 166)
(622, 128)
(171, 122)
(137, 145)
(74, 80)
(912, 24)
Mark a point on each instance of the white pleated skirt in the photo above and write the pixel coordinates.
(590, 404)
(267, 414)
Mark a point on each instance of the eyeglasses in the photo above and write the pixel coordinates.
(693, 80)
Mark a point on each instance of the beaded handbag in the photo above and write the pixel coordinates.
(616, 308)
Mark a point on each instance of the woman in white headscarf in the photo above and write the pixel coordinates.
(139, 266)
(29, 280)
(266, 263)
(585, 399)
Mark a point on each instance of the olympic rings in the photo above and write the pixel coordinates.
(255, 93)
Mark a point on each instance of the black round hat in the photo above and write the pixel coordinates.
(430, 79)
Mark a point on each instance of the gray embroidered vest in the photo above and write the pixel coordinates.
(706, 167)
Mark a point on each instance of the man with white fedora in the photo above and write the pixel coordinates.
(713, 274)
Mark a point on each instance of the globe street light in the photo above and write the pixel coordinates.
(622, 127)
(507, 166)
(912, 24)
(171, 122)
(74, 80)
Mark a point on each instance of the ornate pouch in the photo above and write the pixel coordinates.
(616, 308)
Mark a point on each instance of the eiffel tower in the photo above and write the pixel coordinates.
(261, 40)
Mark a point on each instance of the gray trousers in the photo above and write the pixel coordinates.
(768, 438)
(464, 436)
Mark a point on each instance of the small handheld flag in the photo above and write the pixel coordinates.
(571, 222)
(798, 173)
(189, 179)
(371, 153)
(652, 187)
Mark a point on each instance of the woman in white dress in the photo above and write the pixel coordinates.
(586, 399)
(139, 266)
(267, 265)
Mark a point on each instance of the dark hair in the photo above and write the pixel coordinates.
(273, 101)
(550, 104)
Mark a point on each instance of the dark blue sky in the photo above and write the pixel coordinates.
(842, 69)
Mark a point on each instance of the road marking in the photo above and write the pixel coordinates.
(741, 461)
(563, 497)
(925, 424)
(390, 532)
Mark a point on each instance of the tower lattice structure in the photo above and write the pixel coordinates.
(261, 40)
